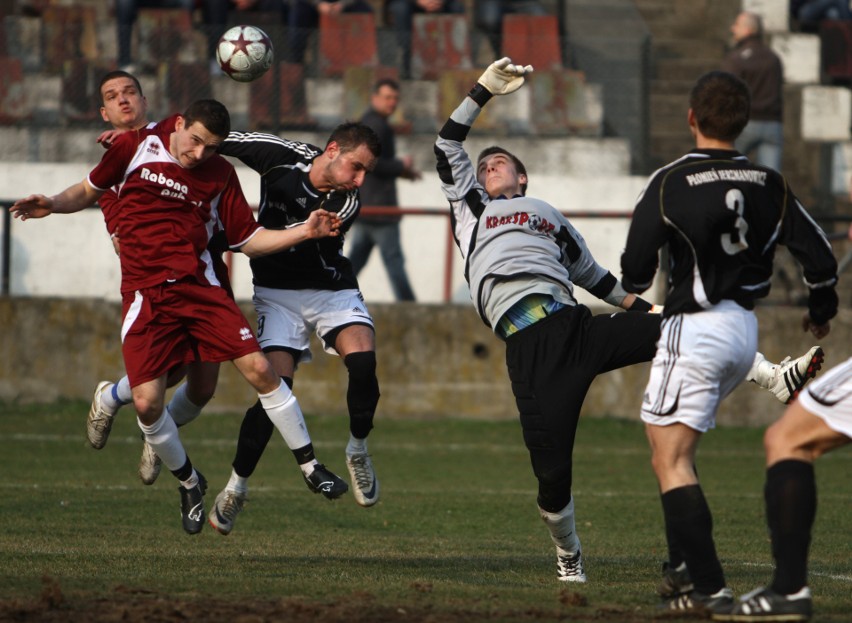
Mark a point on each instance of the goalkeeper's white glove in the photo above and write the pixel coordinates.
(502, 77)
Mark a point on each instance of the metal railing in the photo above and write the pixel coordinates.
(449, 250)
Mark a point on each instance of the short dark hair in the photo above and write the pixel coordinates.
(120, 74)
(494, 149)
(385, 82)
(211, 114)
(720, 102)
(352, 134)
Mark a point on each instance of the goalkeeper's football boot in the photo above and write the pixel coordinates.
(569, 567)
(786, 379)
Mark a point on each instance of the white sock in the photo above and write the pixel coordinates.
(118, 394)
(181, 408)
(562, 528)
(237, 484)
(762, 371)
(163, 437)
(356, 446)
(283, 409)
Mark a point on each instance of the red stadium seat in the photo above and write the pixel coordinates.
(532, 40)
(346, 40)
(13, 99)
(278, 98)
(183, 83)
(69, 33)
(439, 43)
(163, 34)
(836, 43)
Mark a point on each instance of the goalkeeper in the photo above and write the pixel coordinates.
(522, 261)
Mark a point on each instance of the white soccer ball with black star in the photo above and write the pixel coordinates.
(244, 53)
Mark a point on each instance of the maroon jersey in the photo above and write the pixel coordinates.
(109, 201)
(166, 214)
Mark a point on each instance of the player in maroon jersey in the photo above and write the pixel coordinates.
(174, 188)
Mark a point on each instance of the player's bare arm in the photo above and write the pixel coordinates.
(72, 199)
(320, 224)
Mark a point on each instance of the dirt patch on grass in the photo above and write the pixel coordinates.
(128, 605)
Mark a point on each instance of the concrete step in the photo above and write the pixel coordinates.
(541, 155)
(690, 18)
(670, 75)
(689, 48)
(670, 145)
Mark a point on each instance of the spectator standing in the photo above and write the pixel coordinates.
(759, 67)
(400, 14)
(379, 189)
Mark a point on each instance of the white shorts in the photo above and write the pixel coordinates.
(830, 398)
(286, 318)
(700, 359)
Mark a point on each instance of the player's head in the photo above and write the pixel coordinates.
(385, 96)
(351, 151)
(199, 132)
(122, 102)
(746, 25)
(719, 106)
(501, 173)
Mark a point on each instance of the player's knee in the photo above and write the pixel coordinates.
(201, 392)
(361, 365)
(258, 371)
(780, 442)
(148, 409)
(363, 383)
(554, 486)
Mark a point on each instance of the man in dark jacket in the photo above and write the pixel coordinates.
(759, 67)
(379, 190)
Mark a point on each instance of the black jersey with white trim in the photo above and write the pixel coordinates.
(722, 217)
(287, 198)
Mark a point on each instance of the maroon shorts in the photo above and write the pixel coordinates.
(176, 323)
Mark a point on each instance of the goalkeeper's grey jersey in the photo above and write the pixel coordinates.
(512, 247)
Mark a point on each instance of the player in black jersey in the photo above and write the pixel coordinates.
(721, 218)
(312, 287)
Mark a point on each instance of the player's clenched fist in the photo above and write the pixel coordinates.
(502, 77)
(321, 223)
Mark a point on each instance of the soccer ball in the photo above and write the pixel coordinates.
(244, 53)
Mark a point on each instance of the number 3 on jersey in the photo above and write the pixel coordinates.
(734, 242)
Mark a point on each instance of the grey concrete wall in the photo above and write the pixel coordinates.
(434, 361)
